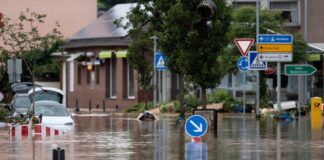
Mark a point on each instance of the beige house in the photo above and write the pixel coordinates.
(72, 15)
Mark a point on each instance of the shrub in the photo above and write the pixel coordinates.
(3, 114)
(140, 107)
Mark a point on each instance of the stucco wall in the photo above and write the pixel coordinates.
(71, 14)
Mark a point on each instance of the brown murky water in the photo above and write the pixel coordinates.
(120, 137)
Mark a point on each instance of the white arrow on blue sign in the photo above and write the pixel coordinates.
(243, 64)
(255, 63)
(160, 61)
(275, 38)
(196, 126)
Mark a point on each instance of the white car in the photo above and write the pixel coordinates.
(53, 113)
(47, 94)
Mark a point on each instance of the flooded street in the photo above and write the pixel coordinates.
(123, 137)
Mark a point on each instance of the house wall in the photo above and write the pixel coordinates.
(97, 93)
(315, 28)
(72, 15)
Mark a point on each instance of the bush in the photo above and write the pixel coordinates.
(3, 114)
(225, 98)
(192, 101)
(140, 107)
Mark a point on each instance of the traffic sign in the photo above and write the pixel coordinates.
(299, 69)
(276, 57)
(160, 61)
(275, 48)
(243, 64)
(255, 63)
(244, 44)
(275, 38)
(196, 126)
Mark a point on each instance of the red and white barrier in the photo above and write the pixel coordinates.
(39, 129)
(20, 130)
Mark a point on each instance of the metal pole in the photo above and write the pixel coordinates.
(244, 89)
(258, 73)
(154, 71)
(305, 90)
(278, 85)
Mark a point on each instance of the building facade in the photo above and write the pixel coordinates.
(97, 72)
(78, 14)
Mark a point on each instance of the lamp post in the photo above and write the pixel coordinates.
(154, 38)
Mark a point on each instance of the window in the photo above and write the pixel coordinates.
(289, 10)
(97, 67)
(130, 82)
(79, 74)
(113, 85)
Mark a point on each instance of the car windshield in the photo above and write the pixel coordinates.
(22, 102)
(50, 110)
(48, 96)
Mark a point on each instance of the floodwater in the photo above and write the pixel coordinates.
(120, 137)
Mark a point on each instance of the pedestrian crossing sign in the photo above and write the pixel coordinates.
(160, 61)
(255, 63)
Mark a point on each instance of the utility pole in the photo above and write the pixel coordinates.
(258, 72)
(154, 71)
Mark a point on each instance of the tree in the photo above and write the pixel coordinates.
(192, 43)
(22, 39)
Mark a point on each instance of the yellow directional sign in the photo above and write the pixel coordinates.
(275, 48)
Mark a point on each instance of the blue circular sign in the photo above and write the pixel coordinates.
(243, 64)
(196, 126)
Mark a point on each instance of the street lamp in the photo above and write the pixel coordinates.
(207, 9)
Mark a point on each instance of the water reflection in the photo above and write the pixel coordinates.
(123, 137)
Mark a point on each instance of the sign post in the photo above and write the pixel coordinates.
(276, 48)
(244, 45)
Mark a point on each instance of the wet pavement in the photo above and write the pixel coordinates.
(123, 137)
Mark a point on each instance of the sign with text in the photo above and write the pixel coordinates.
(299, 69)
(275, 47)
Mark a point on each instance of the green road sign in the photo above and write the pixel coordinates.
(299, 69)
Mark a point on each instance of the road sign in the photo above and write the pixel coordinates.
(160, 61)
(243, 64)
(276, 57)
(275, 38)
(244, 44)
(275, 48)
(255, 63)
(299, 69)
(196, 126)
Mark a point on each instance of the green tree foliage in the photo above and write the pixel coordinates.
(22, 39)
(193, 47)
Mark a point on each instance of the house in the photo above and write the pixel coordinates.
(97, 72)
(78, 14)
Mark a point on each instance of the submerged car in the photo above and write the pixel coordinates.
(47, 94)
(22, 87)
(53, 113)
(20, 103)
